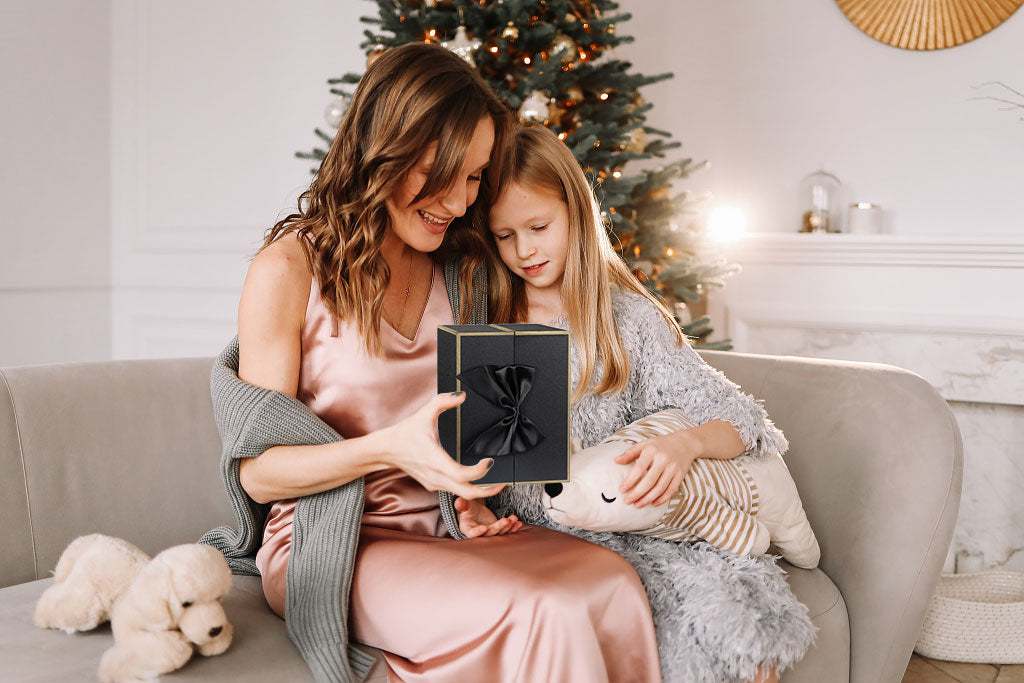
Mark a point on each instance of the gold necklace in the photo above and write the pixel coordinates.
(406, 292)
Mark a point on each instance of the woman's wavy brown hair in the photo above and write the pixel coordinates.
(409, 97)
(538, 161)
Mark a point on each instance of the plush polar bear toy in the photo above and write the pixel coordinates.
(741, 506)
(162, 610)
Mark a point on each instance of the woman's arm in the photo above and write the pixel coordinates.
(270, 317)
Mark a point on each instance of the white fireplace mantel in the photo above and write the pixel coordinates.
(881, 250)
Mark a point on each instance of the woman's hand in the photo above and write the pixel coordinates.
(476, 519)
(412, 446)
(660, 464)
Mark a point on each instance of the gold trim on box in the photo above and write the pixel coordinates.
(927, 24)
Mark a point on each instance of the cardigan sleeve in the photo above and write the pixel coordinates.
(665, 375)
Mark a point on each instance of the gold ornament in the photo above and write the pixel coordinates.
(564, 48)
(510, 32)
(636, 140)
(377, 51)
(555, 112)
(575, 93)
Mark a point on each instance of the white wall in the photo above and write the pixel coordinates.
(168, 131)
(55, 188)
(210, 101)
(767, 91)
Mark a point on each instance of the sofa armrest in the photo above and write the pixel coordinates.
(878, 459)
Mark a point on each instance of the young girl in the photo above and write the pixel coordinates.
(634, 361)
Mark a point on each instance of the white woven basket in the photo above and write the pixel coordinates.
(976, 618)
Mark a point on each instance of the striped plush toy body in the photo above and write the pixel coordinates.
(741, 505)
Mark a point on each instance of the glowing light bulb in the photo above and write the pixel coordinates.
(726, 224)
(526, 60)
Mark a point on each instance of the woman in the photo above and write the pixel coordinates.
(339, 310)
(631, 360)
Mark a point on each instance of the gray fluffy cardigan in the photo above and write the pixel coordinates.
(717, 616)
(325, 531)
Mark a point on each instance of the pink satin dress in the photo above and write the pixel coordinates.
(536, 605)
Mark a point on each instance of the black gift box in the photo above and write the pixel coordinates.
(516, 411)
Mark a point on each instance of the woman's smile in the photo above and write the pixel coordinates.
(435, 224)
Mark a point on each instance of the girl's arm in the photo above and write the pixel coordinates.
(270, 317)
(664, 375)
(663, 461)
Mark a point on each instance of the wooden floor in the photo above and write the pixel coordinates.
(923, 670)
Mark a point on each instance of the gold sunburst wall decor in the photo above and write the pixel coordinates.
(927, 24)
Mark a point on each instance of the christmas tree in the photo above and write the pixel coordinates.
(553, 61)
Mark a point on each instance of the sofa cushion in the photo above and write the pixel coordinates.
(828, 659)
(260, 649)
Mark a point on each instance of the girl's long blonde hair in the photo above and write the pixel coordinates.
(538, 161)
(409, 97)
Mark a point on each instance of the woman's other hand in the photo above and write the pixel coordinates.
(476, 519)
(412, 446)
(659, 465)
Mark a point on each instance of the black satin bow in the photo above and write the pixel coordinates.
(505, 387)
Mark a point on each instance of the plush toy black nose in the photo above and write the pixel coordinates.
(553, 489)
(215, 631)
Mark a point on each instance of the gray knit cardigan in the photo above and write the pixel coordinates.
(325, 531)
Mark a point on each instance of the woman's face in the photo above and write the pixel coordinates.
(531, 230)
(422, 225)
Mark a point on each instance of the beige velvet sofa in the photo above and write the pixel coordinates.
(130, 449)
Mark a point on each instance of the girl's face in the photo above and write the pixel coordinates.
(531, 229)
(422, 225)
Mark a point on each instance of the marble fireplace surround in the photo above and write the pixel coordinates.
(950, 309)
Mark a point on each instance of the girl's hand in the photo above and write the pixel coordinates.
(412, 446)
(476, 519)
(661, 463)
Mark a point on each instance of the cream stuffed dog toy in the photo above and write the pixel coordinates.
(160, 610)
(91, 574)
(741, 506)
(171, 609)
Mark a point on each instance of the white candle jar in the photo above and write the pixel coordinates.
(864, 218)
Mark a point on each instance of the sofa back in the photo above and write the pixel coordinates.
(125, 448)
